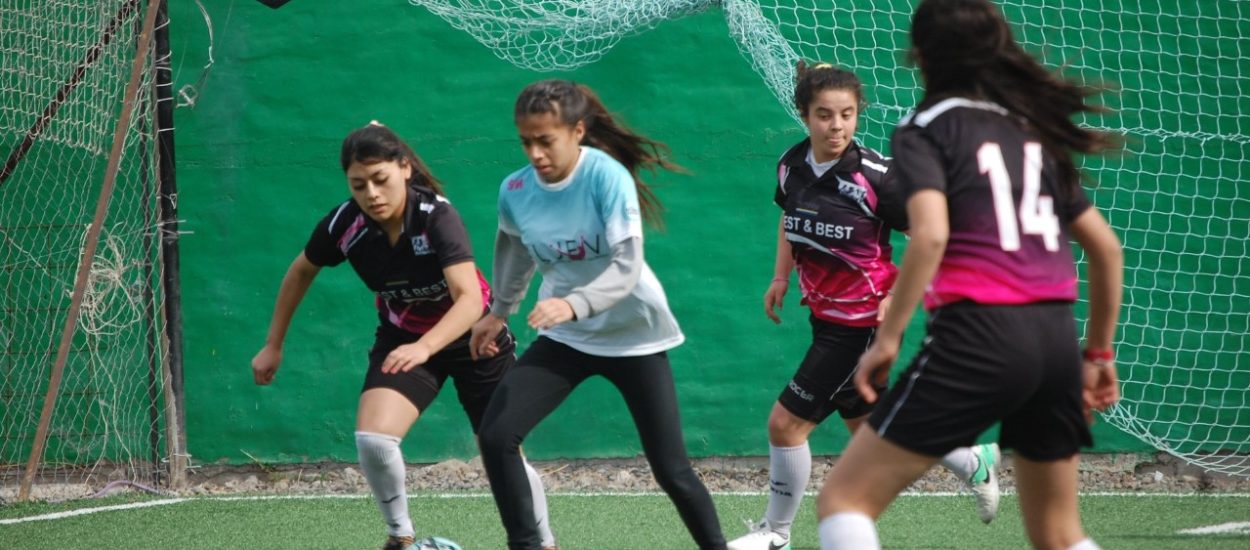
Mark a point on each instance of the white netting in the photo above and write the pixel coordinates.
(1176, 196)
(107, 419)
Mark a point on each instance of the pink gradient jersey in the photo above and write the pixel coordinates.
(1008, 239)
(838, 226)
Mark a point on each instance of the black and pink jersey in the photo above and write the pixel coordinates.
(838, 226)
(407, 278)
(1008, 239)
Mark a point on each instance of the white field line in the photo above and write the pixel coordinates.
(170, 501)
(1235, 528)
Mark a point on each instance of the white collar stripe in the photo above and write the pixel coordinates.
(923, 118)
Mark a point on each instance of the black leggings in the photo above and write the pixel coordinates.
(543, 377)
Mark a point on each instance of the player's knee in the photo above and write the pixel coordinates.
(496, 438)
(785, 429)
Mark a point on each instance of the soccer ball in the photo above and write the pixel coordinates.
(434, 543)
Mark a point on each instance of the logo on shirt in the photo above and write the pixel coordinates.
(421, 245)
(854, 192)
(515, 184)
(568, 250)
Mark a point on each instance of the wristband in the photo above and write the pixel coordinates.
(1101, 357)
(781, 280)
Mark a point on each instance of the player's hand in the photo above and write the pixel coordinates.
(483, 336)
(265, 365)
(774, 297)
(405, 357)
(874, 367)
(1102, 387)
(549, 313)
(884, 307)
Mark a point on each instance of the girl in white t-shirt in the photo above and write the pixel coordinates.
(575, 214)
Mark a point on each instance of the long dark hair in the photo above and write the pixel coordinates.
(966, 47)
(376, 142)
(813, 79)
(572, 103)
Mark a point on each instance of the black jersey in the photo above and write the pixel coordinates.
(838, 226)
(407, 278)
(1008, 239)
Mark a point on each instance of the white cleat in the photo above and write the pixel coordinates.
(761, 537)
(984, 480)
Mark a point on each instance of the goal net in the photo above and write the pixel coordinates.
(64, 65)
(1176, 196)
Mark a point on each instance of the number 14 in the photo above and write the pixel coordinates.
(1037, 211)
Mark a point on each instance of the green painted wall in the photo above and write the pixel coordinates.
(257, 161)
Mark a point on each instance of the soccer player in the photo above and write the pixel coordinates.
(576, 213)
(993, 197)
(839, 205)
(409, 246)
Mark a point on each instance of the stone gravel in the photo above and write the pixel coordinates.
(1159, 473)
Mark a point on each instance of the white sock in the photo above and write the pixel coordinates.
(961, 461)
(383, 465)
(540, 505)
(1087, 544)
(789, 469)
(848, 531)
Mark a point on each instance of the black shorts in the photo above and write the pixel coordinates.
(982, 364)
(475, 380)
(823, 382)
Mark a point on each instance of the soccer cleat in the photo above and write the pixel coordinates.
(761, 537)
(984, 480)
(397, 542)
(434, 543)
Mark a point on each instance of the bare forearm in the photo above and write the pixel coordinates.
(784, 263)
(920, 263)
(299, 277)
(465, 310)
(1106, 277)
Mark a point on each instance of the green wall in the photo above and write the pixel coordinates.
(257, 162)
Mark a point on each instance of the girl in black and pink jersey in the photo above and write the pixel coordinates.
(409, 246)
(839, 205)
(993, 196)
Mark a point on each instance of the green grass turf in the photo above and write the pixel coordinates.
(594, 522)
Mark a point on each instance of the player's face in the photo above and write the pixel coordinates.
(831, 120)
(551, 145)
(380, 188)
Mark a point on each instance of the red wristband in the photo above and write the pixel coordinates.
(1098, 355)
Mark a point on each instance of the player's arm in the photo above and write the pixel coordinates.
(782, 266)
(466, 309)
(513, 268)
(930, 227)
(611, 286)
(1106, 278)
(299, 276)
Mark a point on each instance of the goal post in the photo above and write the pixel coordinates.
(84, 343)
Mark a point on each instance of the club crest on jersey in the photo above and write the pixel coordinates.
(854, 192)
(421, 245)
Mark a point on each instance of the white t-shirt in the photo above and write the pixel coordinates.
(569, 228)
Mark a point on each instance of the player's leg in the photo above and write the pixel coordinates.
(820, 386)
(977, 467)
(646, 383)
(475, 383)
(1048, 502)
(389, 405)
(864, 481)
(1047, 433)
(542, 378)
